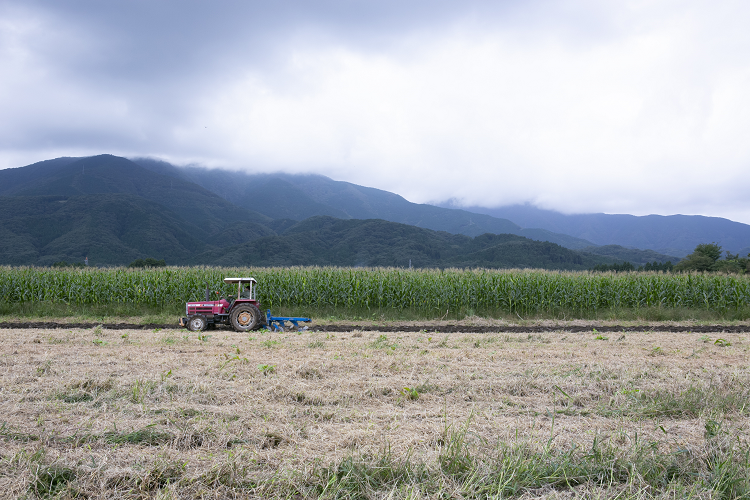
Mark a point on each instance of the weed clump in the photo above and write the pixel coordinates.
(382, 343)
(84, 391)
(267, 370)
(50, 481)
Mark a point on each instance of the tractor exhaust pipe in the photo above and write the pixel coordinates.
(208, 293)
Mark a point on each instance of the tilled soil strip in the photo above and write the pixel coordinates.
(418, 328)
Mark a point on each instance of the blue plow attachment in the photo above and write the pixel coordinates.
(278, 323)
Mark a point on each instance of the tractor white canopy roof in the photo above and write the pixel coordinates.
(239, 280)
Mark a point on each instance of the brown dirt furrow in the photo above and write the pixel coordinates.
(449, 328)
(537, 329)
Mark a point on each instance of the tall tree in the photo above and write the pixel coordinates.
(703, 258)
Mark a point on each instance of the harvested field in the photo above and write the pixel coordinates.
(103, 413)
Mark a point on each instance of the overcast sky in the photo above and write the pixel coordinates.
(581, 106)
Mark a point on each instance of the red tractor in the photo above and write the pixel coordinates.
(243, 312)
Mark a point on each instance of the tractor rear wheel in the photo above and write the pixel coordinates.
(197, 323)
(245, 317)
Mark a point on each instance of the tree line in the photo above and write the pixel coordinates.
(705, 258)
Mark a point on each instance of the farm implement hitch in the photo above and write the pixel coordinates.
(278, 323)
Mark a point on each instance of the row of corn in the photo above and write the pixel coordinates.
(517, 291)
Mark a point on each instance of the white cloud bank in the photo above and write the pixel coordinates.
(639, 108)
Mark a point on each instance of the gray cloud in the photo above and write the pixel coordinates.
(572, 105)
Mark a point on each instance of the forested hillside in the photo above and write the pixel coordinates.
(328, 241)
(109, 229)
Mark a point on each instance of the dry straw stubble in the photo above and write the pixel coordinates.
(363, 414)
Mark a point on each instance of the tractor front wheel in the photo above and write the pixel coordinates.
(245, 317)
(197, 323)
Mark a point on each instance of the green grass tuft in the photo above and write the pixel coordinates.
(146, 437)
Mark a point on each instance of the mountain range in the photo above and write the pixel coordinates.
(297, 197)
(300, 196)
(670, 234)
(116, 210)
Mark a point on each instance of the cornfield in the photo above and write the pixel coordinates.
(522, 292)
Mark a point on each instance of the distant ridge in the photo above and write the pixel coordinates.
(672, 234)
